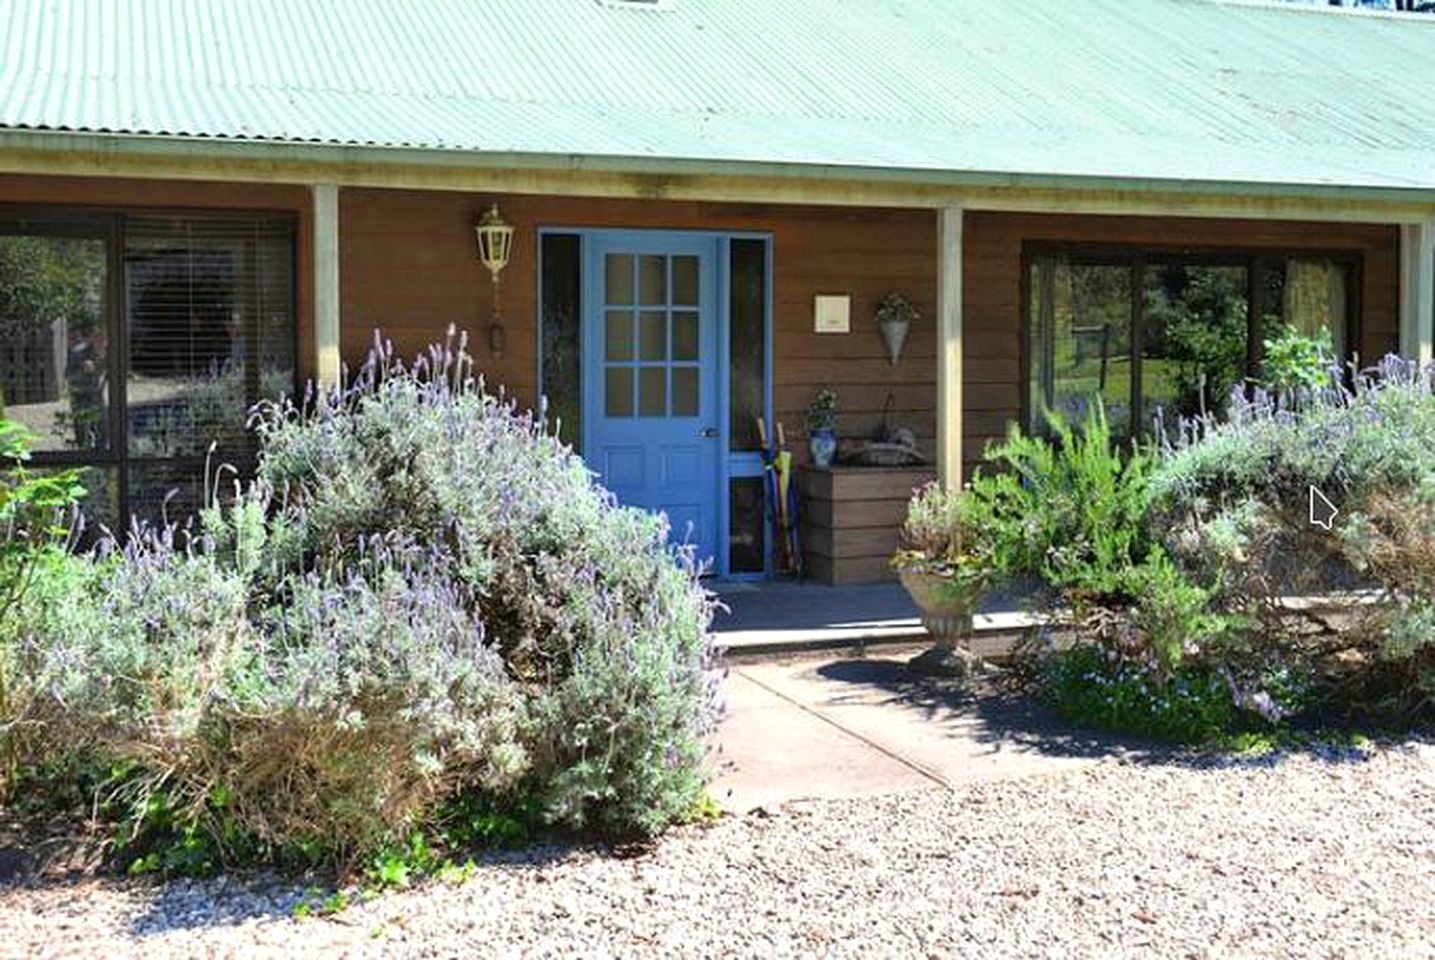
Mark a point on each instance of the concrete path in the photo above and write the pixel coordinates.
(859, 726)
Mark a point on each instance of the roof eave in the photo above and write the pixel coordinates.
(251, 160)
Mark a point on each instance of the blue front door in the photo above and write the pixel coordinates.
(650, 337)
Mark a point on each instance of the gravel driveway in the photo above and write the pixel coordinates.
(1330, 855)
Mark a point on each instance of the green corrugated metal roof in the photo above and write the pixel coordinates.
(1161, 89)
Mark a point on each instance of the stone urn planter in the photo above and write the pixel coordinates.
(947, 609)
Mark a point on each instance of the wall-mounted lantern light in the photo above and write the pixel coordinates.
(495, 242)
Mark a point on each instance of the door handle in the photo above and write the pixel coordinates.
(708, 433)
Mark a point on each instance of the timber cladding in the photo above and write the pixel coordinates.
(409, 266)
(992, 278)
(851, 518)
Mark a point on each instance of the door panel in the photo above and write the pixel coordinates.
(651, 412)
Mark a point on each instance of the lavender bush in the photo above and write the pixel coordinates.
(422, 597)
(1233, 500)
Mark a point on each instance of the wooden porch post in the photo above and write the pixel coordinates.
(326, 282)
(1417, 290)
(949, 345)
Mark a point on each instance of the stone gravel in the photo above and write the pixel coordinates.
(1326, 854)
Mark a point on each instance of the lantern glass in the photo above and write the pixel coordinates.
(495, 239)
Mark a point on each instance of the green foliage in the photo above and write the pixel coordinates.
(822, 411)
(938, 537)
(1197, 320)
(1069, 510)
(36, 510)
(1091, 685)
(423, 602)
(1231, 499)
(1294, 362)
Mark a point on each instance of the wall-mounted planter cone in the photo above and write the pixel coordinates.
(894, 335)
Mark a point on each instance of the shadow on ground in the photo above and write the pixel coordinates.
(1010, 714)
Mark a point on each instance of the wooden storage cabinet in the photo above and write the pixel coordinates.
(851, 517)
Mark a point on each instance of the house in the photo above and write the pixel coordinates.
(208, 202)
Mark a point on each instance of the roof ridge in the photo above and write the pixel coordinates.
(1324, 9)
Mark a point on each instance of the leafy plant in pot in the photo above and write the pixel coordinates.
(946, 571)
(822, 427)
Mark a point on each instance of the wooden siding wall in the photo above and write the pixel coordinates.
(992, 261)
(409, 266)
(100, 192)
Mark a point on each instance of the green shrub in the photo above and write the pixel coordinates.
(1073, 513)
(422, 605)
(37, 512)
(1069, 511)
(1231, 500)
(1295, 362)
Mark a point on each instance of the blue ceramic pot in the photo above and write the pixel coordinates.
(822, 444)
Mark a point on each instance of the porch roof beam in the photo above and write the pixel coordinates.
(86, 154)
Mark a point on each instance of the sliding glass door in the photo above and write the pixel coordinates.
(1159, 335)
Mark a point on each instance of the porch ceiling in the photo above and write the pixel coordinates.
(1179, 92)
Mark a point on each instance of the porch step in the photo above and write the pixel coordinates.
(994, 634)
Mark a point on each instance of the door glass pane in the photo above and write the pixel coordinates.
(653, 335)
(1080, 340)
(653, 279)
(562, 365)
(1195, 341)
(685, 335)
(745, 513)
(618, 392)
(685, 391)
(619, 335)
(747, 363)
(54, 352)
(652, 391)
(618, 279)
(685, 281)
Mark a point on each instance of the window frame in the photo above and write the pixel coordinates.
(1136, 257)
(108, 224)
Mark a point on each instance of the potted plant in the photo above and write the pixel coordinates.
(895, 316)
(822, 427)
(946, 572)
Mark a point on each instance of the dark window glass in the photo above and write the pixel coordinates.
(1180, 347)
(560, 285)
(1195, 340)
(54, 343)
(1080, 327)
(747, 343)
(166, 490)
(136, 389)
(210, 331)
(745, 538)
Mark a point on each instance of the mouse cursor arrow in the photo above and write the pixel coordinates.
(1322, 511)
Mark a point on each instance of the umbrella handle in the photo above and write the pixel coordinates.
(761, 432)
